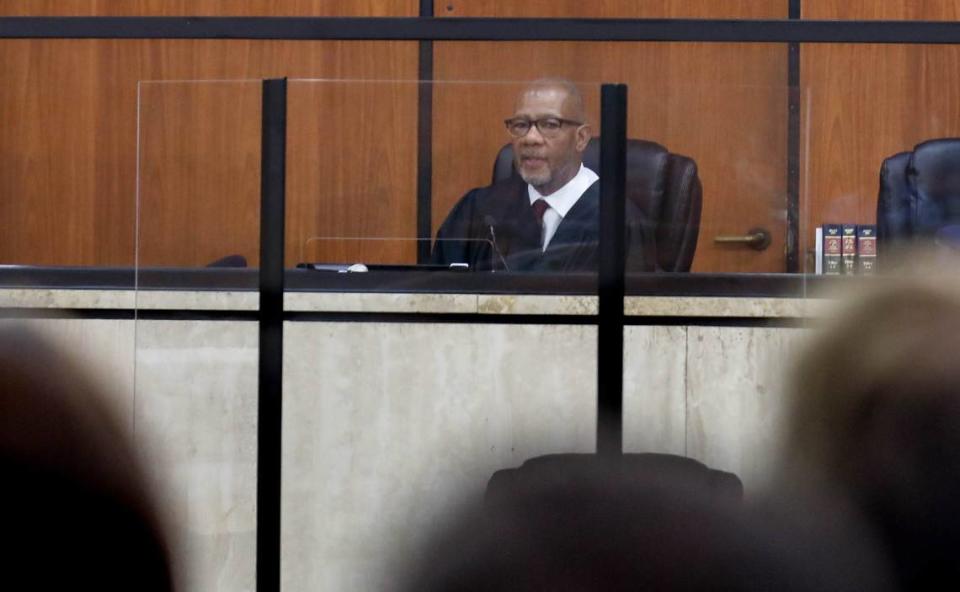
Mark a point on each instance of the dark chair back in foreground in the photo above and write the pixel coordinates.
(564, 469)
(577, 522)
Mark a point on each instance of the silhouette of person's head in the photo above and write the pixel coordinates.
(876, 422)
(75, 510)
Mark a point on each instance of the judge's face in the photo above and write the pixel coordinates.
(549, 160)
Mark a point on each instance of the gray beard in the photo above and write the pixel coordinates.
(536, 180)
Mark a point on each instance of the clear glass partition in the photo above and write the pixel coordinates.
(421, 358)
(450, 403)
(198, 176)
(198, 210)
(393, 420)
(424, 352)
(707, 209)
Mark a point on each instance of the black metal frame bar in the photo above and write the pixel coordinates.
(120, 314)
(270, 382)
(792, 257)
(395, 317)
(610, 289)
(481, 29)
(759, 285)
(425, 141)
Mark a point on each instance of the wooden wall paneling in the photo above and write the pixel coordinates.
(199, 172)
(48, 186)
(209, 8)
(354, 148)
(908, 10)
(724, 105)
(68, 170)
(868, 102)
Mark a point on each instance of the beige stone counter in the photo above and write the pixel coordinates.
(128, 299)
(387, 425)
(712, 306)
(379, 302)
(373, 302)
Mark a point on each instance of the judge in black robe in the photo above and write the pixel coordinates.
(495, 228)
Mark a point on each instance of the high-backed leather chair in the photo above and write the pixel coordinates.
(919, 195)
(666, 188)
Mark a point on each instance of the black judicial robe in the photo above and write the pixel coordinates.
(502, 211)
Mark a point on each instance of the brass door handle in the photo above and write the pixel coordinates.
(757, 239)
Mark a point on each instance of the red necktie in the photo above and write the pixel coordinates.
(539, 207)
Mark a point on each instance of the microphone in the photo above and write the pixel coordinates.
(490, 221)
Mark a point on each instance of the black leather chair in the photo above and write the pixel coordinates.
(919, 195)
(666, 188)
(229, 261)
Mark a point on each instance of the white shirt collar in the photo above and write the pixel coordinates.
(564, 198)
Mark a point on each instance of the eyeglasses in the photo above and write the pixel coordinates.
(549, 127)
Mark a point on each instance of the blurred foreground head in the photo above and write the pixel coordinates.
(876, 420)
(75, 509)
(598, 527)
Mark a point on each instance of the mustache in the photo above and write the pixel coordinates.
(531, 154)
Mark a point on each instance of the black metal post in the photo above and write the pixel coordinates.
(483, 29)
(270, 386)
(794, 258)
(613, 179)
(425, 142)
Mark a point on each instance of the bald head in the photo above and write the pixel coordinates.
(572, 100)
